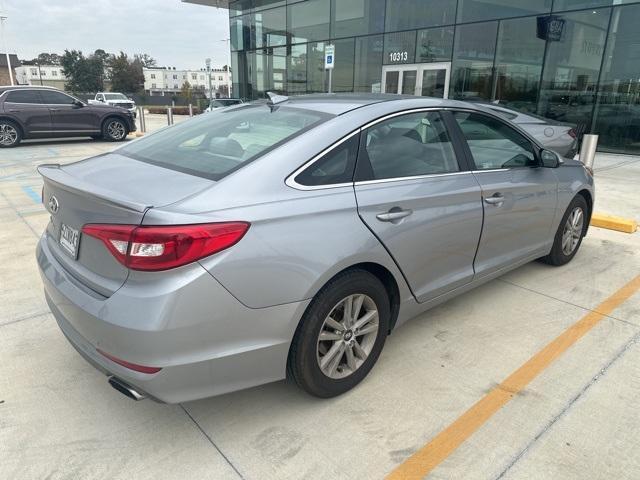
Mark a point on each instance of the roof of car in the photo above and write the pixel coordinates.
(340, 103)
(4, 88)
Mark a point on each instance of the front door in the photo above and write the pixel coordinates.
(26, 105)
(67, 118)
(419, 201)
(423, 79)
(519, 195)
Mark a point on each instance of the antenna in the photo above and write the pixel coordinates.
(275, 99)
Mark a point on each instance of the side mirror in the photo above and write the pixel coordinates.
(550, 159)
(77, 104)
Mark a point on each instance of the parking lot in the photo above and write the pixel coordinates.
(467, 390)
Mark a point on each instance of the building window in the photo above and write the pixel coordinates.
(153, 85)
(356, 17)
(475, 10)
(175, 77)
(572, 66)
(54, 73)
(408, 14)
(153, 76)
(270, 27)
(175, 85)
(399, 48)
(201, 77)
(368, 64)
(220, 78)
(616, 115)
(434, 45)
(308, 21)
(474, 52)
(34, 71)
(519, 58)
(43, 73)
(194, 76)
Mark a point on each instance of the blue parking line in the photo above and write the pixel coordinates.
(32, 194)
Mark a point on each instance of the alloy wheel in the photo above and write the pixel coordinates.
(8, 134)
(116, 130)
(572, 231)
(347, 336)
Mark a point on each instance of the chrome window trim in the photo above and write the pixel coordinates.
(415, 177)
(489, 170)
(291, 182)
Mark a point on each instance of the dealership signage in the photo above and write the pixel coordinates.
(329, 56)
(550, 28)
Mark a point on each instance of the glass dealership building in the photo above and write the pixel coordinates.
(574, 61)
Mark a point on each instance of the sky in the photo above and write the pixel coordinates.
(176, 34)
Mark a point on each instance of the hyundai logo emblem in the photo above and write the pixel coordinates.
(54, 206)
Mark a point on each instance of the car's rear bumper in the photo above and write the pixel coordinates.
(206, 342)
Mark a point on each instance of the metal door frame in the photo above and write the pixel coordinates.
(420, 68)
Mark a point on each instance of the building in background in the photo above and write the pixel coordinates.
(5, 78)
(30, 73)
(575, 61)
(169, 81)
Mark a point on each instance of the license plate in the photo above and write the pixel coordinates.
(69, 239)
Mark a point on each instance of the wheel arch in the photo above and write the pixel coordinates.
(15, 122)
(116, 116)
(586, 194)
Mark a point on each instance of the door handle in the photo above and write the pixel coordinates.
(14, 111)
(393, 215)
(497, 199)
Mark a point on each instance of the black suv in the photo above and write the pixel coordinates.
(44, 112)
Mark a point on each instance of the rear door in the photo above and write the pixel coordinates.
(519, 196)
(416, 195)
(67, 117)
(26, 106)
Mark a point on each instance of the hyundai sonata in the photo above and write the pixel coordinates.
(288, 238)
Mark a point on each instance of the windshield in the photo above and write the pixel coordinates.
(216, 144)
(115, 96)
(224, 102)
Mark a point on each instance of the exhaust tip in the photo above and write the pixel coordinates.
(125, 389)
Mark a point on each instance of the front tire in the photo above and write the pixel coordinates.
(571, 231)
(115, 130)
(10, 135)
(341, 335)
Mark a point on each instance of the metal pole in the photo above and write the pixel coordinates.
(330, 78)
(208, 64)
(169, 116)
(588, 150)
(190, 110)
(4, 46)
(143, 126)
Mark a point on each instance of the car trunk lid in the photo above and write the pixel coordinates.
(110, 189)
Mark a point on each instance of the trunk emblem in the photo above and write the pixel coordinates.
(54, 206)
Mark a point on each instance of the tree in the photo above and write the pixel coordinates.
(146, 60)
(126, 74)
(47, 59)
(85, 74)
(186, 91)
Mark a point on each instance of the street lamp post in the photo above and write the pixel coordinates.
(4, 46)
(227, 40)
(208, 63)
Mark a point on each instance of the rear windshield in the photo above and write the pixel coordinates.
(215, 144)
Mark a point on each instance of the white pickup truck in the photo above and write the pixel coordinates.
(115, 100)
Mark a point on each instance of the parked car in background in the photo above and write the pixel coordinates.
(45, 112)
(222, 102)
(554, 135)
(235, 256)
(115, 100)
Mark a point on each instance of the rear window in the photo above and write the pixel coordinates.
(23, 96)
(216, 144)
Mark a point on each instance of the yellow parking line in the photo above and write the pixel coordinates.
(448, 440)
(621, 224)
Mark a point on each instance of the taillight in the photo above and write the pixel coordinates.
(572, 133)
(163, 247)
(129, 365)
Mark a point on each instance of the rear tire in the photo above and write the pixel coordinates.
(332, 351)
(114, 130)
(10, 134)
(571, 231)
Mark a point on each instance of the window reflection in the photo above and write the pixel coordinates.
(617, 115)
(472, 75)
(308, 21)
(356, 17)
(475, 10)
(572, 66)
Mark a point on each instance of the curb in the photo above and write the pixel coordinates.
(611, 222)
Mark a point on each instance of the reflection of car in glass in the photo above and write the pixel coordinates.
(222, 102)
(235, 256)
(557, 136)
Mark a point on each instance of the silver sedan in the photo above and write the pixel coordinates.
(288, 238)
